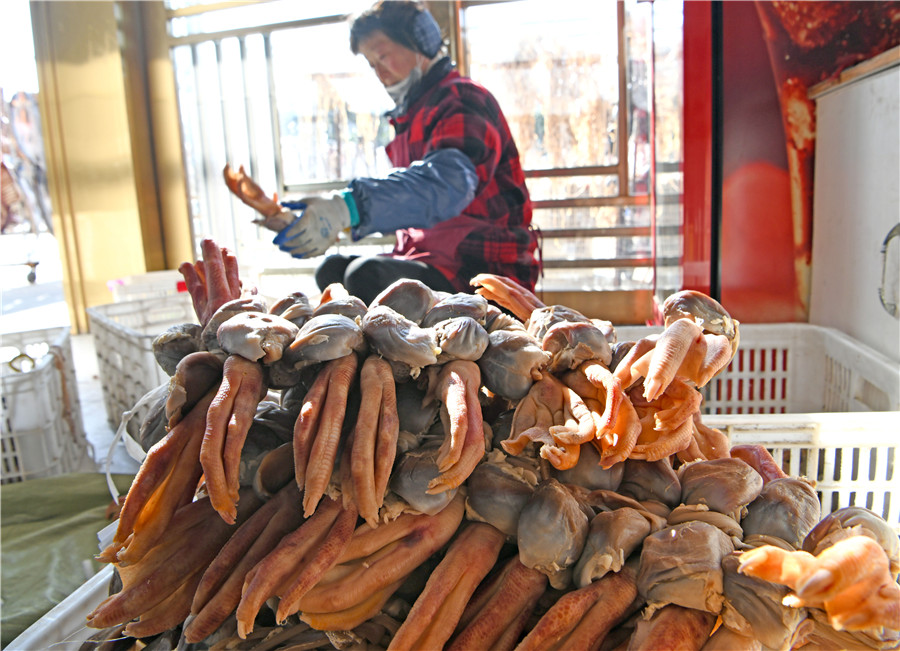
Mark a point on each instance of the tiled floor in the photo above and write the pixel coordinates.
(97, 428)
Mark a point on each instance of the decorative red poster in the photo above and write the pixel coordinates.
(772, 53)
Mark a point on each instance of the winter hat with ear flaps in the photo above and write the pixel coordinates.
(407, 23)
(426, 34)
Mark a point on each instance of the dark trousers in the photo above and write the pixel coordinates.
(366, 277)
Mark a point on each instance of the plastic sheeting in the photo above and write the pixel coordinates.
(48, 540)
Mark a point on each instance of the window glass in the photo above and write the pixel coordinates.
(554, 73)
(668, 85)
(632, 252)
(255, 15)
(579, 217)
(572, 187)
(587, 279)
(330, 107)
(638, 73)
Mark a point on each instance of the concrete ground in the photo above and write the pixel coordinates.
(26, 306)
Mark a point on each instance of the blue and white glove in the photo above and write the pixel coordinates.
(317, 227)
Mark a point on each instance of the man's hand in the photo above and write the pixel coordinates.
(247, 190)
(317, 227)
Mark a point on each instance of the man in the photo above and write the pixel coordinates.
(457, 200)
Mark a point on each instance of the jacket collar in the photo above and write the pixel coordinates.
(435, 74)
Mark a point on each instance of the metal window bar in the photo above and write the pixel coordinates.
(248, 110)
(273, 107)
(651, 136)
(622, 140)
(266, 31)
(203, 188)
(609, 263)
(191, 39)
(223, 110)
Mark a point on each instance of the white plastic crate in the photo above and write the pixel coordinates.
(825, 405)
(798, 368)
(275, 283)
(42, 430)
(154, 284)
(850, 457)
(123, 336)
(788, 368)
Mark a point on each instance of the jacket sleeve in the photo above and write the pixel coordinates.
(427, 192)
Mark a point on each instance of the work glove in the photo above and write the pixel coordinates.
(316, 228)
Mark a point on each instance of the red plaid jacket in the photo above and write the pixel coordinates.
(493, 234)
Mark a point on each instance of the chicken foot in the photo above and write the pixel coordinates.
(507, 294)
(248, 191)
(850, 581)
(496, 615)
(667, 423)
(166, 480)
(673, 628)
(706, 443)
(218, 592)
(438, 608)
(580, 619)
(168, 565)
(610, 393)
(317, 431)
(297, 563)
(554, 415)
(457, 384)
(212, 281)
(227, 422)
(616, 422)
(699, 340)
(168, 613)
(374, 437)
(356, 583)
(353, 616)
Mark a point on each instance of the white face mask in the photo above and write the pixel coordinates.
(399, 91)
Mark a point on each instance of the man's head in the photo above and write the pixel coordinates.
(395, 36)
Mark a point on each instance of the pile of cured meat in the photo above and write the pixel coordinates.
(468, 471)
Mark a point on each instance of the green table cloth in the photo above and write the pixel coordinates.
(48, 540)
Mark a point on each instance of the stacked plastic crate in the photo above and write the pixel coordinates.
(41, 433)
